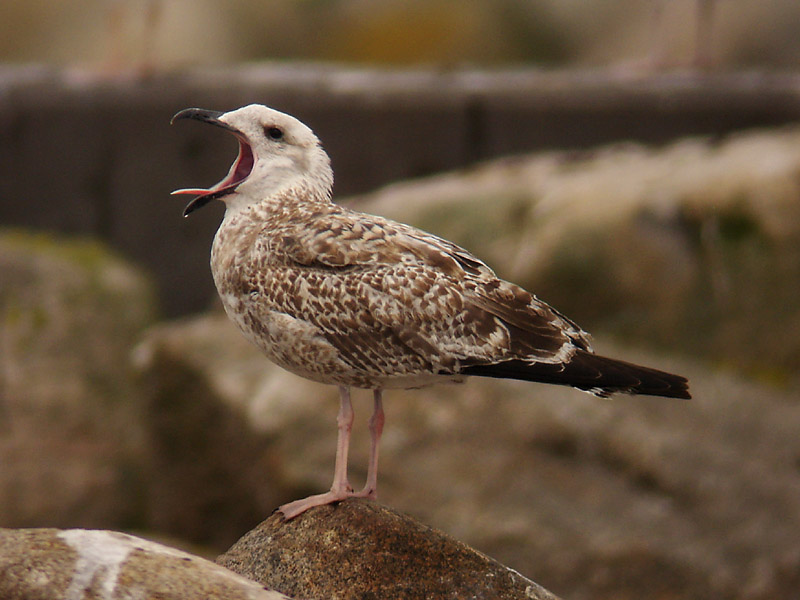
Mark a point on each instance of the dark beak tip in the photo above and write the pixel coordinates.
(199, 114)
(190, 208)
(181, 114)
(198, 202)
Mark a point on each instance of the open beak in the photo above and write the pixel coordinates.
(238, 172)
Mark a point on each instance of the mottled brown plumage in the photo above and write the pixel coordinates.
(346, 298)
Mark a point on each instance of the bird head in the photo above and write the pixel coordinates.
(276, 151)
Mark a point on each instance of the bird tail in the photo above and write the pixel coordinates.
(589, 372)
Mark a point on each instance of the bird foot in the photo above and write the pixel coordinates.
(292, 509)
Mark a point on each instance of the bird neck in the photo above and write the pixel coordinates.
(240, 205)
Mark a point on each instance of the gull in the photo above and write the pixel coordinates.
(359, 301)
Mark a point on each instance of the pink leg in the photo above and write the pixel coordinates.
(341, 486)
(344, 422)
(376, 422)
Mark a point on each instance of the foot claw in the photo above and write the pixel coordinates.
(370, 493)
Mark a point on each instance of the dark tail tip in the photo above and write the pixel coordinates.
(598, 375)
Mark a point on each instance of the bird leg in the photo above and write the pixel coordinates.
(376, 422)
(340, 489)
(344, 421)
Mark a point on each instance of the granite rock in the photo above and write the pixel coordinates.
(361, 549)
(43, 564)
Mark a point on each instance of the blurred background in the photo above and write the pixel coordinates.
(441, 33)
(635, 163)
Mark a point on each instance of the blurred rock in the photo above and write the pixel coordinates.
(694, 247)
(643, 497)
(70, 445)
(209, 475)
(78, 563)
(361, 549)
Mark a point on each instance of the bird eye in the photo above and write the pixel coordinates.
(274, 133)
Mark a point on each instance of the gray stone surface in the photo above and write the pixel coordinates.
(361, 549)
(45, 564)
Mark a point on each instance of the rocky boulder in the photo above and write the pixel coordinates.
(70, 444)
(210, 475)
(360, 549)
(43, 564)
(356, 550)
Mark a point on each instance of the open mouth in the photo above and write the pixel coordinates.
(239, 171)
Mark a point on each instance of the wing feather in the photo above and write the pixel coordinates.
(433, 297)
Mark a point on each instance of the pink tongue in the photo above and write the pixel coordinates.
(192, 191)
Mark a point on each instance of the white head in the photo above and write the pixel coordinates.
(276, 151)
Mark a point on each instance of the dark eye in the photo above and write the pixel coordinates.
(274, 133)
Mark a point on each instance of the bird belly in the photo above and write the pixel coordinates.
(288, 342)
(300, 348)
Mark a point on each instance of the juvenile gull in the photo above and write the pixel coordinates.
(356, 300)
